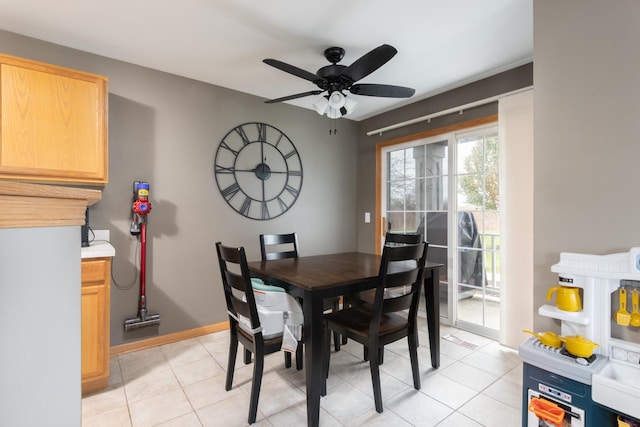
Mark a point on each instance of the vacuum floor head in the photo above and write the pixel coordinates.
(138, 323)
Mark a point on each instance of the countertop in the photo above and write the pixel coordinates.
(99, 246)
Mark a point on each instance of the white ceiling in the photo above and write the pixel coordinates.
(441, 44)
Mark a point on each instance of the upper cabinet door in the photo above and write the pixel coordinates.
(53, 123)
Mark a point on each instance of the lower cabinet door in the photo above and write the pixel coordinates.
(95, 325)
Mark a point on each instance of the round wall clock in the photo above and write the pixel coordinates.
(258, 171)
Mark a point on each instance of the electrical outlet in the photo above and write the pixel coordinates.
(367, 217)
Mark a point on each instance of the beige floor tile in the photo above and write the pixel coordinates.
(390, 385)
(231, 412)
(114, 417)
(103, 401)
(276, 396)
(134, 365)
(424, 356)
(489, 363)
(159, 408)
(187, 420)
(183, 352)
(417, 408)
(515, 375)
(115, 374)
(458, 420)
(506, 392)
(209, 391)
(496, 350)
(447, 391)
(373, 419)
(453, 350)
(151, 384)
(470, 376)
(400, 368)
(345, 402)
(217, 341)
(199, 370)
(296, 416)
(491, 413)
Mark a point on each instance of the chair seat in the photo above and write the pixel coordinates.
(355, 322)
(271, 345)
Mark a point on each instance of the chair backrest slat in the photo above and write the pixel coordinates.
(393, 239)
(273, 240)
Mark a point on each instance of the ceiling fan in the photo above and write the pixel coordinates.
(335, 79)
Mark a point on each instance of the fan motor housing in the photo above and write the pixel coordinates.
(331, 71)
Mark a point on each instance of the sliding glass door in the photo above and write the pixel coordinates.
(446, 188)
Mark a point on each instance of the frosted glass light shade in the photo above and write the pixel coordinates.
(321, 105)
(337, 100)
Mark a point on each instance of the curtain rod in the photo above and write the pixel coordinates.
(459, 109)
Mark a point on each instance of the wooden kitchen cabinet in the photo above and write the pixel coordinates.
(95, 323)
(53, 123)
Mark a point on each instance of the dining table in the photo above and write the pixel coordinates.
(314, 278)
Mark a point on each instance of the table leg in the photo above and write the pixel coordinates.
(432, 301)
(313, 342)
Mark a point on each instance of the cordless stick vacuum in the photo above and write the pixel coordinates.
(141, 207)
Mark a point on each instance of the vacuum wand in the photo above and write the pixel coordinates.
(141, 207)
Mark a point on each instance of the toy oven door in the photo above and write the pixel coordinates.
(573, 416)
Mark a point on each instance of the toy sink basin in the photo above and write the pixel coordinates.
(617, 386)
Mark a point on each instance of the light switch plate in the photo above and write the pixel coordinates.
(367, 217)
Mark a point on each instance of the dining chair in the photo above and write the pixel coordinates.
(390, 239)
(389, 318)
(244, 321)
(279, 246)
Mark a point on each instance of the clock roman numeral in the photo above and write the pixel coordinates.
(291, 153)
(244, 209)
(222, 169)
(292, 190)
(262, 131)
(224, 145)
(282, 204)
(230, 191)
(243, 135)
(278, 141)
(294, 173)
(265, 211)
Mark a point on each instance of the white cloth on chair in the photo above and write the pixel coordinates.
(279, 313)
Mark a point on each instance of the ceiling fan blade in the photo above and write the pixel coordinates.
(296, 96)
(369, 62)
(386, 91)
(291, 69)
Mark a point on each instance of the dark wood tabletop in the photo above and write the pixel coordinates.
(314, 278)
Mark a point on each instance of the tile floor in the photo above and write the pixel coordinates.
(182, 384)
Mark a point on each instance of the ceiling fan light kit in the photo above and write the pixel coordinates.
(336, 79)
(335, 105)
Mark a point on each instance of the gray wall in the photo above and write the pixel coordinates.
(586, 129)
(165, 129)
(516, 78)
(40, 327)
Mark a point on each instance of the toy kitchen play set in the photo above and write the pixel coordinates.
(589, 374)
